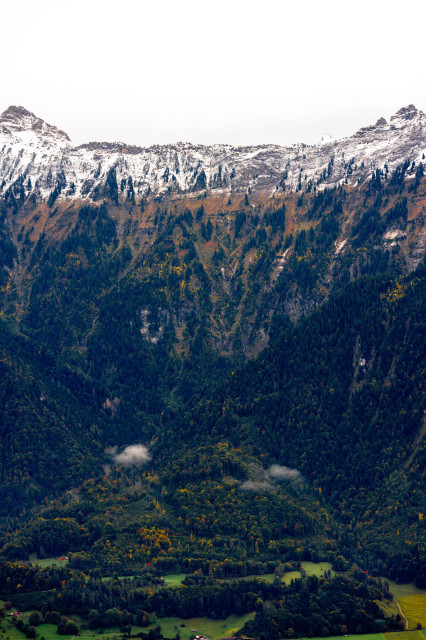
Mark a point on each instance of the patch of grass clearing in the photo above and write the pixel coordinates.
(411, 600)
(365, 636)
(404, 635)
(316, 568)
(268, 577)
(291, 575)
(49, 632)
(311, 569)
(48, 562)
(174, 579)
(8, 630)
(403, 590)
(106, 634)
(414, 608)
(206, 626)
(389, 607)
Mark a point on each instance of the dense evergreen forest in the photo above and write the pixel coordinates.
(269, 357)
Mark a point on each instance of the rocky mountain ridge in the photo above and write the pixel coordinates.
(38, 160)
(268, 238)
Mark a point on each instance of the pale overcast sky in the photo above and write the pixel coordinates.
(241, 72)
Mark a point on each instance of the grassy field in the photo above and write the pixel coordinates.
(105, 634)
(290, 575)
(389, 607)
(365, 636)
(414, 608)
(411, 600)
(47, 562)
(170, 626)
(404, 635)
(316, 568)
(311, 569)
(206, 626)
(48, 632)
(174, 579)
(8, 630)
(393, 635)
(403, 590)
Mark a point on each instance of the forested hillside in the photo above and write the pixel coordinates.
(266, 354)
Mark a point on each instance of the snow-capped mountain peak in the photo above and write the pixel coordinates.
(20, 123)
(38, 160)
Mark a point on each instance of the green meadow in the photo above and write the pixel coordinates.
(393, 635)
(414, 608)
(411, 600)
(205, 626)
(404, 635)
(316, 568)
(310, 568)
(366, 636)
(174, 579)
(47, 562)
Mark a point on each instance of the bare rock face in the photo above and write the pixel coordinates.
(18, 120)
(41, 159)
(406, 113)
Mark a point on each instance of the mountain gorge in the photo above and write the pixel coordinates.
(252, 316)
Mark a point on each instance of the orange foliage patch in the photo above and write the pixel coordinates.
(211, 245)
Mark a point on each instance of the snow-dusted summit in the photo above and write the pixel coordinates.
(22, 125)
(39, 160)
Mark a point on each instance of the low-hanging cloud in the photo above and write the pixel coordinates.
(280, 472)
(134, 455)
(251, 485)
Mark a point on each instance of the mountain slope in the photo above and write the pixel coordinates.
(136, 283)
(340, 397)
(52, 427)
